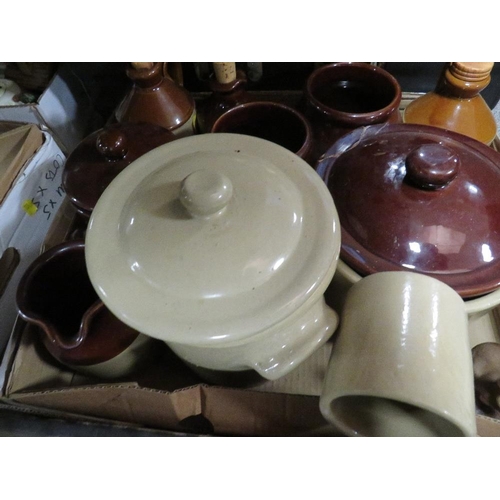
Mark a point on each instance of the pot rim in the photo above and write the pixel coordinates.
(354, 119)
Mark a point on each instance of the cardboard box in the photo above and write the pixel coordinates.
(166, 395)
(31, 173)
(63, 108)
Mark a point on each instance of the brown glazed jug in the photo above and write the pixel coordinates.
(156, 98)
(228, 90)
(456, 103)
(55, 294)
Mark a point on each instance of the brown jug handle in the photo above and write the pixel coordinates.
(173, 70)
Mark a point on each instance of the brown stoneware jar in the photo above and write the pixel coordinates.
(55, 294)
(101, 156)
(418, 198)
(272, 121)
(456, 103)
(156, 98)
(342, 96)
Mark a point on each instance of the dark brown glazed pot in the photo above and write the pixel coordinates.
(101, 156)
(224, 96)
(56, 295)
(272, 121)
(156, 98)
(342, 96)
(420, 198)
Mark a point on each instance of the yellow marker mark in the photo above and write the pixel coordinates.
(29, 207)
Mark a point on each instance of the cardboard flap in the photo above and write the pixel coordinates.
(17, 146)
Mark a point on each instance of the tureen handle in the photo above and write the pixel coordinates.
(205, 192)
(292, 341)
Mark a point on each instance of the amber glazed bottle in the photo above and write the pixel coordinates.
(456, 103)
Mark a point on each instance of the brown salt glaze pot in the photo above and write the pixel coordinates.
(456, 103)
(341, 96)
(418, 198)
(156, 98)
(55, 294)
(275, 122)
(223, 97)
(101, 156)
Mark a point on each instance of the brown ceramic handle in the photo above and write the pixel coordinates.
(173, 70)
(112, 144)
(432, 166)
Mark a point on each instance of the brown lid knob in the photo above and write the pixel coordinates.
(432, 166)
(112, 144)
(471, 71)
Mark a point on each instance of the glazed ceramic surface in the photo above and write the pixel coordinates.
(456, 103)
(56, 295)
(401, 364)
(272, 121)
(156, 98)
(340, 97)
(98, 159)
(418, 198)
(222, 238)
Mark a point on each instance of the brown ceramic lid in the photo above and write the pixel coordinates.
(416, 197)
(100, 157)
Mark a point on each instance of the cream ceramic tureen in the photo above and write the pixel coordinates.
(221, 245)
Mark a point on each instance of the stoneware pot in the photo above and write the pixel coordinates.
(98, 159)
(272, 121)
(342, 96)
(228, 242)
(56, 295)
(401, 363)
(417, 198)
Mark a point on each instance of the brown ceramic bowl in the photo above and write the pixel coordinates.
(272, 121)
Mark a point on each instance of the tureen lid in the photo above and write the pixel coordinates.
(212, 238)
(102, 155)
(416, 197)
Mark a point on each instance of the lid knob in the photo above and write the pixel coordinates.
(432, 166)
(205, 192)
(112, 144)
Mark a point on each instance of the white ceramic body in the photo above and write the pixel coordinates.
(401, 364)
(124, 364)
(8, 90)
(345, 277)
(272, 353)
